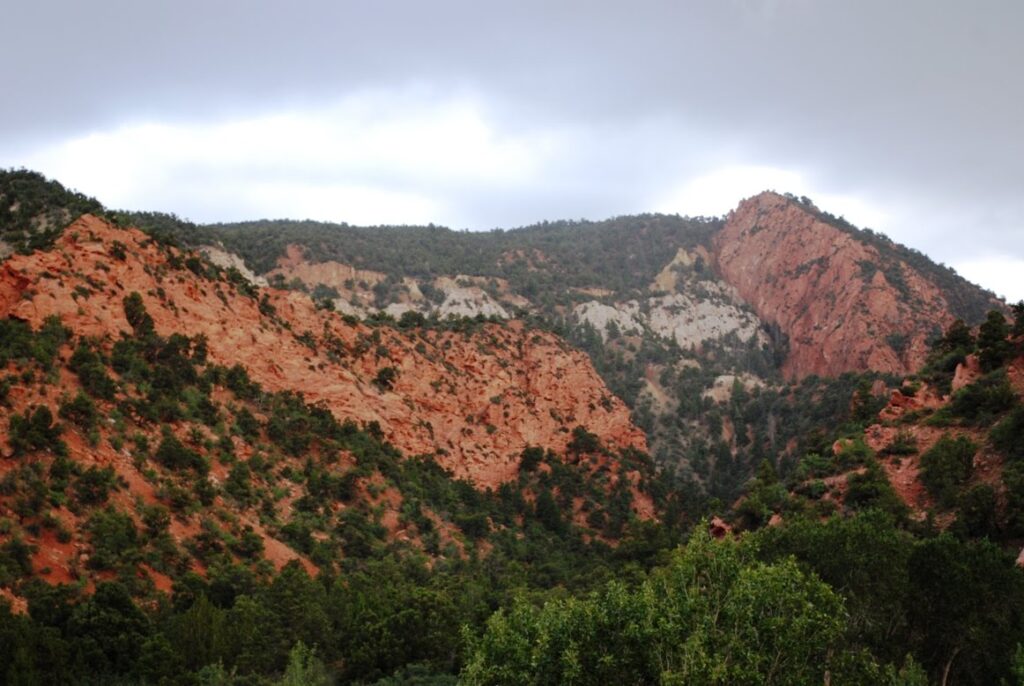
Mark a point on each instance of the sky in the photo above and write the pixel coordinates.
(906, 117)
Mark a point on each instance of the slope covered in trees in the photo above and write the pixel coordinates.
(174, 510)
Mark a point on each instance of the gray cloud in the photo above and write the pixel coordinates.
(912, 108)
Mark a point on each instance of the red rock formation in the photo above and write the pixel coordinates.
(825, 290)
(898, 422)
(475, 401)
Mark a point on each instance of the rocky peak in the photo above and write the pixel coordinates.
(844, 304)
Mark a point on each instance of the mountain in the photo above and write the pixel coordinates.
(702, 326)
(706, 328)
(848, 300)
(143, 383)
(34, 209)
(288, 452)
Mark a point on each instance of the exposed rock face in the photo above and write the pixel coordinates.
(229, 260)
(668, 279)
(693, 320)
(461, 295)
(723, 386)
(691, 313)
(475, 401)
(826, 291)
(463, 298)
(625, 316)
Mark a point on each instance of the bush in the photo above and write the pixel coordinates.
(947, 466)
(114, 539)
(583, 441)
(175, 455)
(35, 430)
(385, 378)
(137, 316)
(93, 486)
(993, 346)
(871, 489)
(982, 401)
(81, 411)
(978, 511)
(19, 342)
(1008, 435)
(15, 560)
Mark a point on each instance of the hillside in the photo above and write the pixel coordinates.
(705, 328)
(211, 474)
(944, 451)
(146, 388)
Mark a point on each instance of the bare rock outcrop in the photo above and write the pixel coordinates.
(841, 305)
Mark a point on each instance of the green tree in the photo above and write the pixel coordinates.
(137, 316)
(304, 668)
(35, 430)
(864, 557)
(946, 466)
(966, 601)
(993, 346)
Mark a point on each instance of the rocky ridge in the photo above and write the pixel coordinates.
(448, 391)
(843, 305)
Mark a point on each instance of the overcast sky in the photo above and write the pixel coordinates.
(905, 116)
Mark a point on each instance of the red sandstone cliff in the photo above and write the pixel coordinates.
(827, 291)
(474, 401)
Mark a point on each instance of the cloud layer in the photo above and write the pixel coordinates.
(905, 117)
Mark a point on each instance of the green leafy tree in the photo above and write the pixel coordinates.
(965, 608)
(137, 316)
(947, 466)
(993, 346)
(304, 668)
(35, 430)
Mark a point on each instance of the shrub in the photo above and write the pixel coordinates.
(93, 486)
(385, 378)
(978, 511)
(583, 441)
(114, 539)
(903, 443)
(15, 560)
(982, 401)
(174, 454)
(35, 430)
(137, 316)
(993, 346)
(531, 458)
(946, 466)
(1008, 435)
(92, 373)
(81, 411)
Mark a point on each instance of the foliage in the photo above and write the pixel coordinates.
(946, 466)
(713, 616)
(981, 402)
(20, 344)
(1008, 435)
(174, 454)
(993, 346)
(35, 430)
(34, 209)
(584, 441)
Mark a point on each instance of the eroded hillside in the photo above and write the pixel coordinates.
(167, 405)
